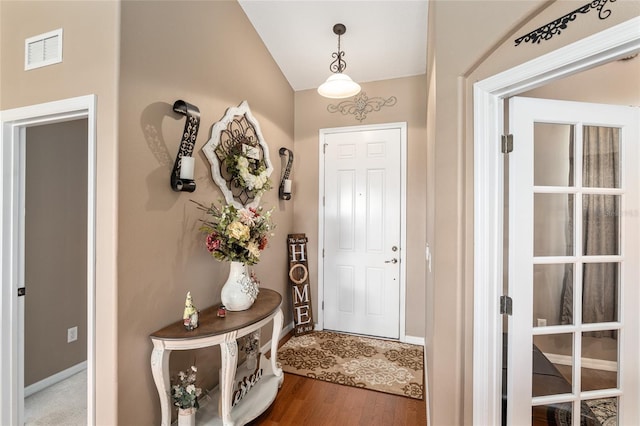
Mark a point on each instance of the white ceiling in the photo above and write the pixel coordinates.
(384, 39)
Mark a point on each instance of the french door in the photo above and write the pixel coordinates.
(574, 263)
(362, 230)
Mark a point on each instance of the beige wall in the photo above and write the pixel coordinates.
(464, 32)
(208, 54)
(311, 116)
(158, 261)
(91, 39)
(55, 248)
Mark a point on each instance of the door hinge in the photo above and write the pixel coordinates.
(323, 305)
(323, 253)
(324, 148)
(507, 144)
(506, 305)
(22, 291)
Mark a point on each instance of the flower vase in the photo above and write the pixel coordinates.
(252, 360)
(187, 416)
(239, 291)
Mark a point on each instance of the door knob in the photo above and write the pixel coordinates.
(394, 261)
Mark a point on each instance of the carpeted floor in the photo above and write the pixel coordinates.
(64, 403)
(376, 364)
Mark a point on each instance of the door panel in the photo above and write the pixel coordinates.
(573, 262)
(361, 229)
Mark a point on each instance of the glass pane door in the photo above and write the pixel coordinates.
(571, 269)
(577, 288)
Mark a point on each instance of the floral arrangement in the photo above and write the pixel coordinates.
(248, 171)
(185, 393)
(249, 343)
(236, 235)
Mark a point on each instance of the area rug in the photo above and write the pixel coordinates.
(594, 412)
(364, 362)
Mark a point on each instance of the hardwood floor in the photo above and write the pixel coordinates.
(310, 402)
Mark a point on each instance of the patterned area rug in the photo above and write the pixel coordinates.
(594, 412)
(364, 362)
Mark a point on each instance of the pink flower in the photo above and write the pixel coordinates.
(213, 243)
(247, 216)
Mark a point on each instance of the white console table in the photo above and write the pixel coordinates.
(212, 331)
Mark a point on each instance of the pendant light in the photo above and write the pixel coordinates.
(338, 85)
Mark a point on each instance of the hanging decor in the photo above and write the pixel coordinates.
(361, 105)
(239, 157)
(182, 174)
(284, 191)
(547, 31)
(338, 85)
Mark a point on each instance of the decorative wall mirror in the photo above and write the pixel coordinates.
(239, 157)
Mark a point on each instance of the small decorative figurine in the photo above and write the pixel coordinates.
(222, 311)
(190, 316)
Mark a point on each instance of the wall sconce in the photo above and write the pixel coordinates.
(284, 192)
(184, 166)
(338, 85)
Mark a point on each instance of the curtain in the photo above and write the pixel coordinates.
(600, 230)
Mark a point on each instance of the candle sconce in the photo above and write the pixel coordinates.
(284, 192)
(183, 168)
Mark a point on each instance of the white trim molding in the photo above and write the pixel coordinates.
(488, 96)
(12, 135)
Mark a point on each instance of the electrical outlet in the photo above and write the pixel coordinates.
(72, 334)
(542, 322)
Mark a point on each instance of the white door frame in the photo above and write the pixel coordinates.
(615, 42)
(12, 136)
(402, 126)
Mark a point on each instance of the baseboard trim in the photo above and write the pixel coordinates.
(414, 340)
(592, 363)
(55, 378)
(286, 330)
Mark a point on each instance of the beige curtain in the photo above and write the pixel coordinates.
(600, 230)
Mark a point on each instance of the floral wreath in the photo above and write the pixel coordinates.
(248, 173)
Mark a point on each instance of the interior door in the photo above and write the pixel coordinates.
(573, 275)
(362, 232)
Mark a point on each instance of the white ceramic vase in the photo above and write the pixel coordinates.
(187, 416)
(239, 292)
(252, 360)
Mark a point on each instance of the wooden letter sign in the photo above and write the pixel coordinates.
(299, 277)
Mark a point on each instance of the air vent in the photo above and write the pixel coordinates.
(42, 50)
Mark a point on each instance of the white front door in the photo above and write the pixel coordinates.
(362, 231)
(574, 263)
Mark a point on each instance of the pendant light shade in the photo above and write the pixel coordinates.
(338, 85)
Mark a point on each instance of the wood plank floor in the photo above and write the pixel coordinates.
(310, 402)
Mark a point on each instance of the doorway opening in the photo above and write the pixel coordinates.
(362, 230)
(489, 94)
(29, 183)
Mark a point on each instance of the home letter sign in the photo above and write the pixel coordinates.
(299, 277)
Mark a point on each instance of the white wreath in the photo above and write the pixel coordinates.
(257, 181)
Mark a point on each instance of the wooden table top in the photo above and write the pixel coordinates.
(209, 324)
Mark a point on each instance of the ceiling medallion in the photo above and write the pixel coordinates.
(361, 105)
(547, 31)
